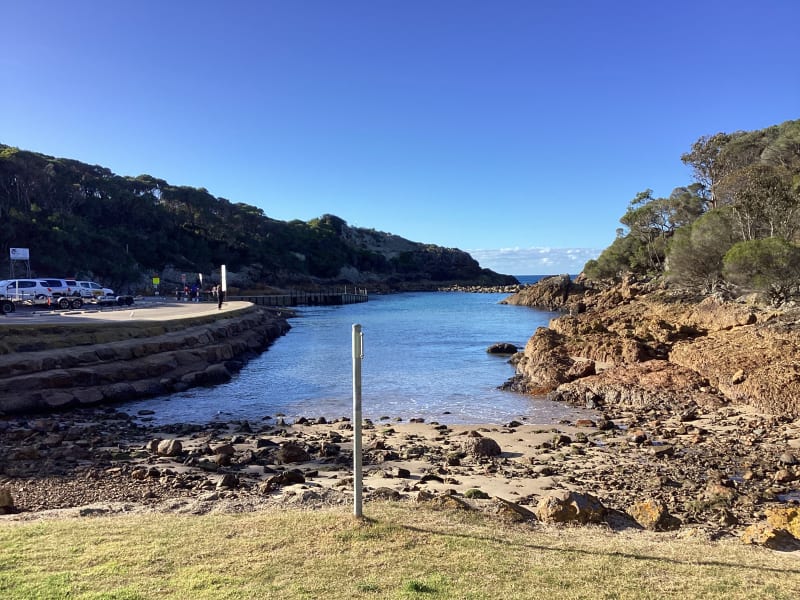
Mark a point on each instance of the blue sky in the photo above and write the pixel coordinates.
(515, 130)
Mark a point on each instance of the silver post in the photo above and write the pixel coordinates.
(358, 354)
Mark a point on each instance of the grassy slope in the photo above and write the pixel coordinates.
(401, 551)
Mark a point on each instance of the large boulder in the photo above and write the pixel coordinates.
(764, 534)
(478, 446)
(787, 518)
(570, 507)
(549, 293)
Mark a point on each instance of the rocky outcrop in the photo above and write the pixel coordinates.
(551, 293)
(757, 364)
(109, 365)
(639, 345)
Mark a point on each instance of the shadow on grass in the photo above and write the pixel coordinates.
(613, 553)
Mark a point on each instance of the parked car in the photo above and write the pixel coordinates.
(26, 289)
(41, 291)
(59, 287)
(90, 289)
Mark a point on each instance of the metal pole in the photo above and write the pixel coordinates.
(358, 354)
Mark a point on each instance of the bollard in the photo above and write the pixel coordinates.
(358, 355)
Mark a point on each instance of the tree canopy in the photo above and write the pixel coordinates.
(83, 220)
(746, 190)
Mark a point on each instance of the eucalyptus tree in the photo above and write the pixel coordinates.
(708, 163)
(764, 200)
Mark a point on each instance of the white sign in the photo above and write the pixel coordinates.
(20, 254)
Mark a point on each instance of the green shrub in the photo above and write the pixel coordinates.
(770, 265)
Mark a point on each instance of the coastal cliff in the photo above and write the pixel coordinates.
(642, 345)
(58, 366)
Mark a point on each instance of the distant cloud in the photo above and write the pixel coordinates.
(535, 261)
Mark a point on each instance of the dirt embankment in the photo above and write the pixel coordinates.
(59, 364)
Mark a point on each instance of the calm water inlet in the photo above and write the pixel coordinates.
(424, 356)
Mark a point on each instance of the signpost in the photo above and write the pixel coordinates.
(358, 355)
(223, 286)
(22, 255)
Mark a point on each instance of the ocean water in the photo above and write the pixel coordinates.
(424, 357)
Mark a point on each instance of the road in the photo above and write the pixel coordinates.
(144, 309)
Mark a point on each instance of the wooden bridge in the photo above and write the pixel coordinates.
(307, 298)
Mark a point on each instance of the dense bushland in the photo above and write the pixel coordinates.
(85, 221)
(737, 224)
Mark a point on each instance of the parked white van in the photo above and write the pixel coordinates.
(44, 291)
(25, 289)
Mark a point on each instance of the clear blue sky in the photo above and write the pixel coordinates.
(516, 130)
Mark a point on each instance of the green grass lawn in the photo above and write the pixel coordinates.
(400, 551)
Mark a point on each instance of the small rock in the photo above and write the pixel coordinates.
(207, 465)
(169, 448)
(559, 440)
(400, 472)
(453, 459)
(511, 511)
(6, 501)
(449, 502)
(480, 447)
(430, 477)
(476, 494)
(784, 476)
(223, 460)
(228, 481)
(662, 451)
(652, 514)
(385, 493)
(291, 452)
(502, 348)
(226, 449)
(637, 436)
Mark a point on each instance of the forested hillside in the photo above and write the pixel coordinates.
(84, 220)
(736, 227)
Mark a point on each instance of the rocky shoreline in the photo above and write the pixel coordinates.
(675, 447)
(712, 473)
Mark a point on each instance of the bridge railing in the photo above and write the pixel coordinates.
(298, 298)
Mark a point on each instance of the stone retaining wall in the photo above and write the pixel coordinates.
(84, 364)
